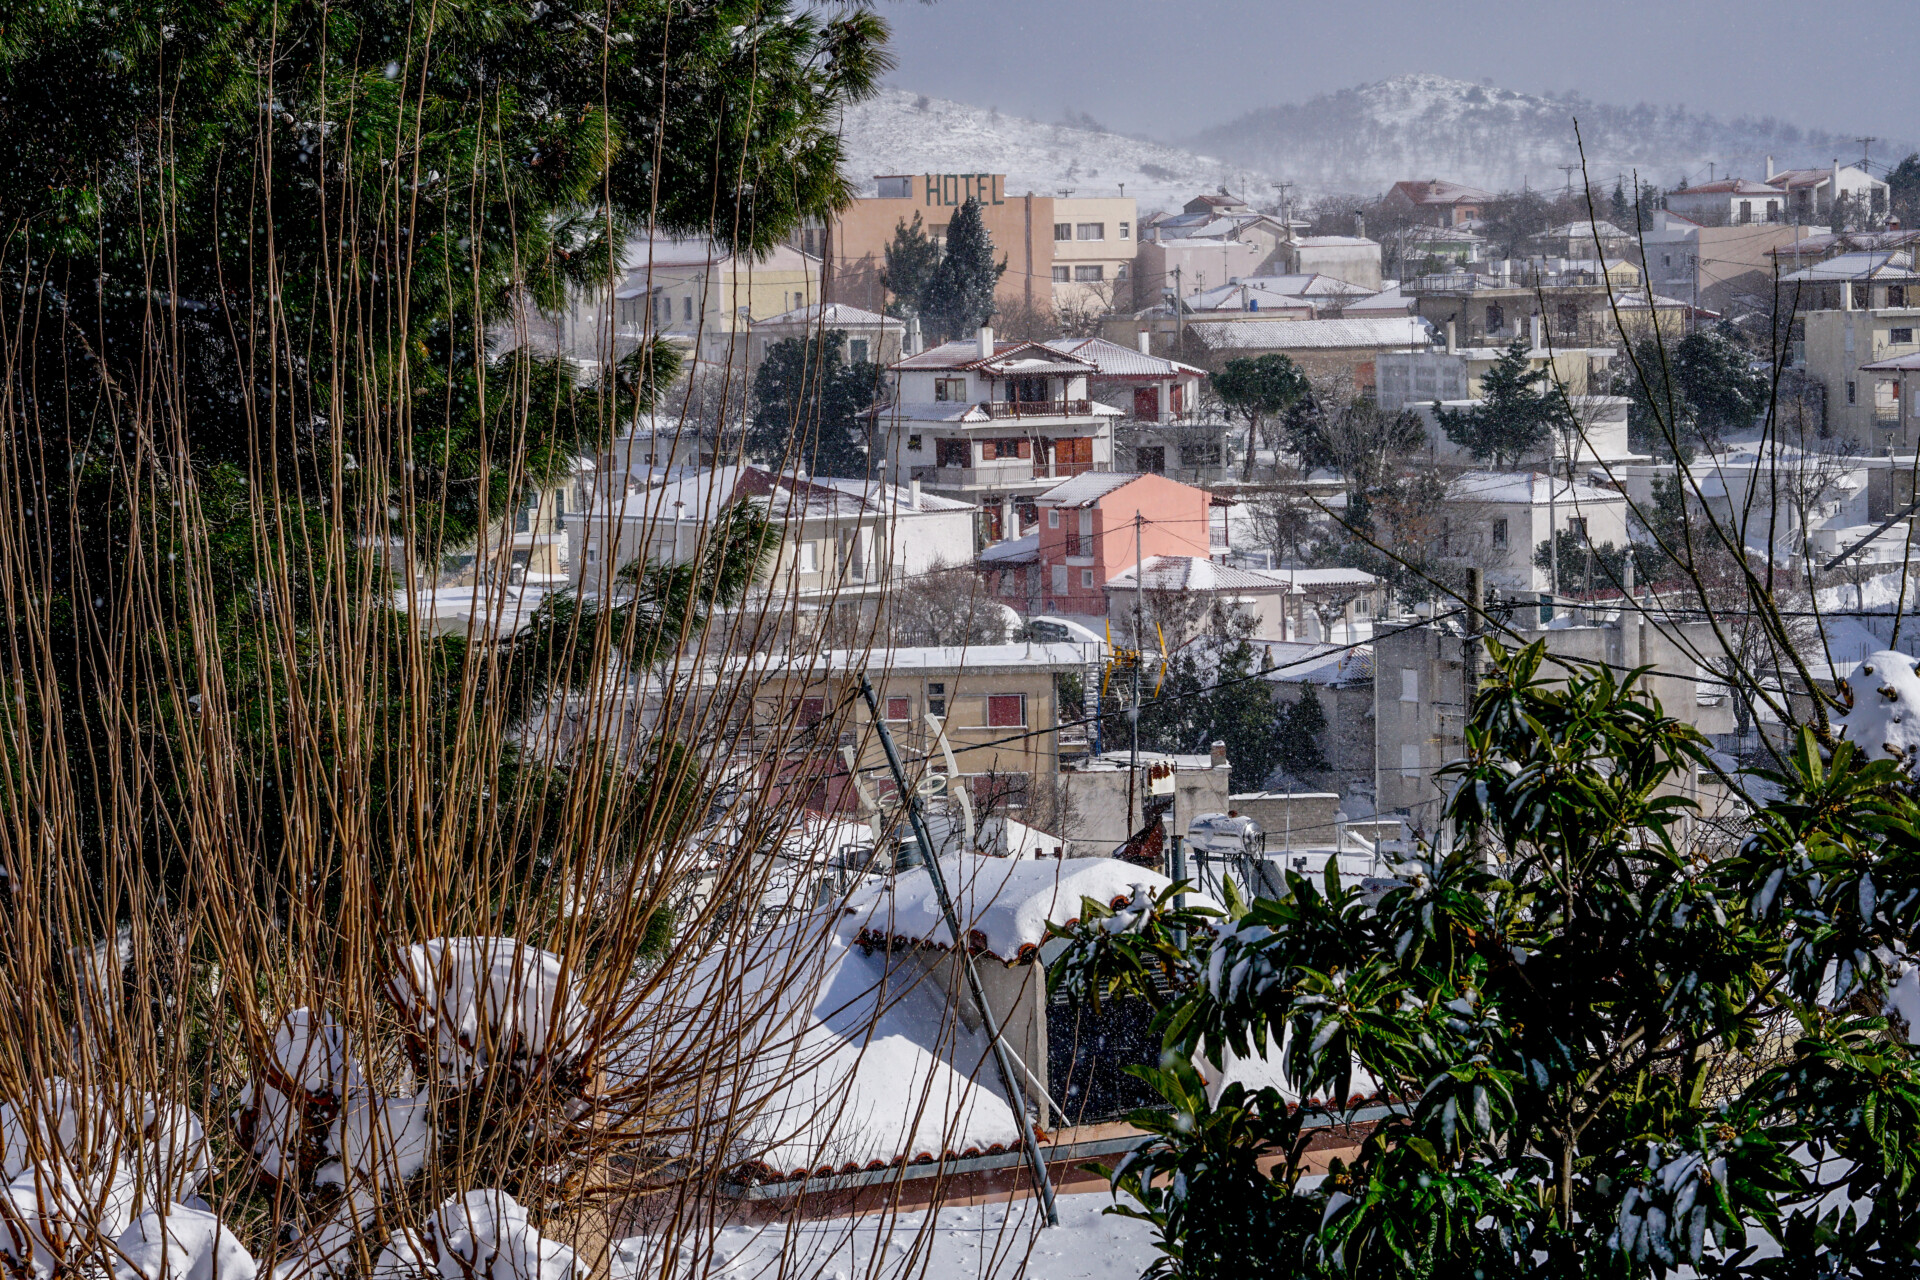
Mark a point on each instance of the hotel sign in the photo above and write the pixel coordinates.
(947, 190)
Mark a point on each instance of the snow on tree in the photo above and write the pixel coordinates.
(1884, 719)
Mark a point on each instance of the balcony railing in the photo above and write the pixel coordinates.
(1037, 408)
(992, 476)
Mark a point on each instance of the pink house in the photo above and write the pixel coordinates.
(1085, 535)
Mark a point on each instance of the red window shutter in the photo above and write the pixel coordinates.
(812, 710)
(899, 709)
(1006, 710)
(1146, 402)
(1026, 448)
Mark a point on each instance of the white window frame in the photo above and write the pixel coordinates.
(807, 557)
(1059, 580)
(1090, 231)
(1086, 579)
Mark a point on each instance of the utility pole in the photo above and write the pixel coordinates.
(1569, 170)
(1139, 656)
(1470, 649)
(1179, 319)
(1002, 1057)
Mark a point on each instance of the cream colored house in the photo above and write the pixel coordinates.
(692, 292)
(1863, 404)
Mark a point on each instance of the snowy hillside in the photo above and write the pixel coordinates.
(903, 132)
(1424, 126)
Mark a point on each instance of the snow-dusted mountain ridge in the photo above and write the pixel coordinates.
(902, 132)
(1425, 126)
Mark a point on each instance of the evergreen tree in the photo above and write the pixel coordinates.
(1618, 209)
(1257, 388)
(1697, 389)
(958, 296)
(911, 261)
(1904, 194)
(1512, 418)
(1299, 750)
(345, 220)
(809, 407)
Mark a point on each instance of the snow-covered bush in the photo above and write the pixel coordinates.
(483, 1235)
(1884, 720)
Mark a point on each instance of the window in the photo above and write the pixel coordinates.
(899, 708)
(1120, 272)
(1666, 259)
(1125, 231)
(1410, 760)
(593, 555)
(955, 453)
(1090, 275)
(1086, 579)
(1500, 532)
(1059, 579)
(1063, 231)
(913, 444)
(1062, 274)
(857, 350)
(1900, 337)
(1150, 458)
(1495, 317)
(808, 558)
(1746, 211)
(1851, 394)
(1090, 231)
(1577, 526)
(812, 710)
(1053, 517)
(937, 698)
(1897, 297)
(1005, 447)
(1006, 710)
(896, 188)
(1409, 685)
(950, 389)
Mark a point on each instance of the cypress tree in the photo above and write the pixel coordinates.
(958, 296)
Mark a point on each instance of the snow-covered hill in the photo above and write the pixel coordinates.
(1424, 126)
(903, 132)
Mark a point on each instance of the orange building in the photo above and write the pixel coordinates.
(855, 243)
(1087, 534)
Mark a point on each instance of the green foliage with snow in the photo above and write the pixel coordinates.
(1603, 1048)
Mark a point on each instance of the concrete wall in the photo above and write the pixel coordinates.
(1356, 263)
(1113, 253)
(1422, 716)
(1347, 741)
(1096, 791)
(1291, 818)
(1201, 263)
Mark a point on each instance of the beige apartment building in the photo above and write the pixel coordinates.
(1860, 357)
(1095, 239)
(854, 244)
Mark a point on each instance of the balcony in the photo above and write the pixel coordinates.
(1037, 408)
(1003, 476)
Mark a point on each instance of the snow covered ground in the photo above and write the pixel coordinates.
(975, 1242)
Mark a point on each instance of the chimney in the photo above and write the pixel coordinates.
(1534, 330)
(986, 342)
(913, 335)
(913, 493)
(1219, 753)
(1146, 343)
(1451, 348)
(1769, 168)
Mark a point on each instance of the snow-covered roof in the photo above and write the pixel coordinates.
(1584, 230)
(699, 494)
(1004, 904)
(1007, 357)
(1085, 489)
(971, 658)
(1894, 364)
(1322, 664)
(1195, 573)
(1111, 360)
(1524, 486)
(1436, 191)
(833, 315)
(1729, 187)
(1024, 549)
(1854, 266)
(1334, 242)
(1358, 333)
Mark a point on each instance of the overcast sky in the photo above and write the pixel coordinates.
(1171, 67)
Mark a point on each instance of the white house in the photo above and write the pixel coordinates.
(1497, 520)
(838, 537)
